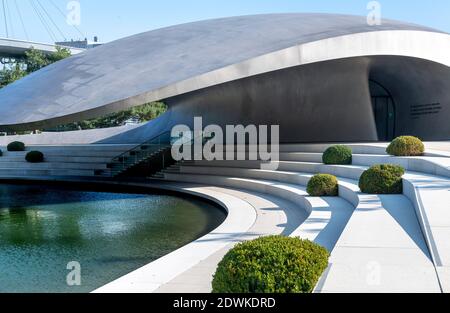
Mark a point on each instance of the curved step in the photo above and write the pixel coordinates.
(191, 268)
(373, 148)
(429, 194)
(242, 216)
(429, 165)
(53, 166)
(345, 171)
(348, 188)
(59, 159)
(4, 173)
(394, 213)
(337, 211)
(274, 216)
(63, 153)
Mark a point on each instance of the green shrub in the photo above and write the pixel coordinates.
(34, 157)
(16, 146)
(338, 155)
(406, 146)
(274, 264)
(323, 185)
(382, 179)
(1, 153)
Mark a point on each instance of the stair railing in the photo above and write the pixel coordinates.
(139, 153)
(157, 146)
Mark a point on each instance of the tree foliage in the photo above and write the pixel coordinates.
(10, 74)
(323, 185)
(141, 114)
(406, 146)
(382, 179)
(34, 60)
(273, 264)
(338, 155)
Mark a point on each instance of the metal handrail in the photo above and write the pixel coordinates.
(123, 160)
(140, 145)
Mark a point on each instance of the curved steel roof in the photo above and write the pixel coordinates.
(122, 73)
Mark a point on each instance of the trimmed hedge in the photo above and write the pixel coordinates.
(34, 157)
(323, 185)
(382, 179)
(16, 146)
(338, 155)
(274, 264)
(406, 146)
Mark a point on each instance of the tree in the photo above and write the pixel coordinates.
(10, 74)
(60, 54)
(143, 113)
(34, 60)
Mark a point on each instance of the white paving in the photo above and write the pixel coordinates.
(432, 202)
(381, 250)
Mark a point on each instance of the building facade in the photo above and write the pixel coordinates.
(322, 78)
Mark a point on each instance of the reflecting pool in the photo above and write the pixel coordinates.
(44, 228)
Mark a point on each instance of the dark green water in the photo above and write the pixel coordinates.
(42, 229)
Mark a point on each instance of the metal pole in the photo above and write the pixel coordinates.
(6, 21)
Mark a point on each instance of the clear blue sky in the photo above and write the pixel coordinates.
(113, 19)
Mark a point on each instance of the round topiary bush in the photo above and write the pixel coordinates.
(34, 157)
(406, 146)
(16, 146)
(323, 185)
(274, 264)
(338, 155)
(382, 179)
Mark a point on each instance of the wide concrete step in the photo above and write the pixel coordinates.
(334, 212)
(312, 162)
(361, 148)
(52, 165)
(62, 153)
(301, 157)
(392, 227)
(346, 171)
(429, 165)
(373, 148)
(45, 173)
(348, 188)
(96, 148)
(59, 159)
(382, 249)
(293, 193)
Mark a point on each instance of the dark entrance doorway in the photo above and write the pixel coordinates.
(383, 110)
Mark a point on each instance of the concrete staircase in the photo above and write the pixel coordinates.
(74, 160)
(386, 245)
